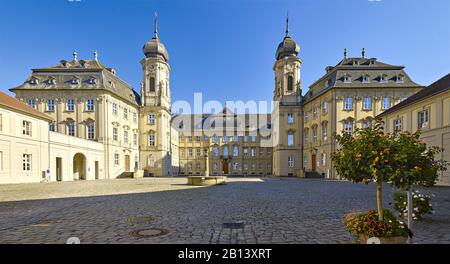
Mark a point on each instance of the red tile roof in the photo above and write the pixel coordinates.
(11, 102)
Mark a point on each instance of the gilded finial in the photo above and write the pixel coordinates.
(287, 24)
(155, 33)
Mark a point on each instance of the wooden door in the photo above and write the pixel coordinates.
(127, 163)
(314, 162)
(226, 169)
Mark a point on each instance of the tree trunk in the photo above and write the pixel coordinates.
(380, 199)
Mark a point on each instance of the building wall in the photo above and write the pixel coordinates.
(13, 145)
(321, 148)
(436, 133)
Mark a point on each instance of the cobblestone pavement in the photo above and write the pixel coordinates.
(253, 210)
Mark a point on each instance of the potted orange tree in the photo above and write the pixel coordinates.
(399, 159)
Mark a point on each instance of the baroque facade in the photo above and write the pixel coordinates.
(138, 135)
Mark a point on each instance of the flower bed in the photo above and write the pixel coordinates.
(367, 225)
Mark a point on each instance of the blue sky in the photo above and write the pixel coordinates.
(224, 48)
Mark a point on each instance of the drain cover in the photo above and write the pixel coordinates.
(234, 225)
(151, 232)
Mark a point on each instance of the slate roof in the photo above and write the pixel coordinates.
(79, 75)
(439, 86)
(364, 73)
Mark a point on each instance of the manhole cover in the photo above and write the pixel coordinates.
(233, 225)
(147, 233)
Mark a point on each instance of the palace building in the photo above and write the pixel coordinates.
(100, 128)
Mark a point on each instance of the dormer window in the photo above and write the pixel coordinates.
(355, 62)
(329, 83)
(400, 78)
(347, 78)
(366, 79)
(92, 80)
(383, 78)
(372, 62)
(34, 81)
(75, 81)
(51, 81)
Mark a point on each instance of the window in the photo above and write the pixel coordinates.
(324, 131)
(306, 136)
(135, 139)
(71, 128)
(291, 162)
(216, 152)
(400, 78)
(367, 123)
(386, 103)
(91, 130)
(50, 105)
(115, 134)
(366, 79)
(254, 138)
(151, 139)
(398, 125)
(423, 118)
(324, 159)
(348, 103)
(225, 139)
(52, 126)
(215, 166)
(114, 108)
(199, 152)
(198, 138)
(125, 113)
(225, 151)
(347, 78)
(383, 78)
(236, 139)
(245, 166)
(348, 127)
(235, 166)
(116, 159)
(367, 103)
(151, 119)
(290, 118)
(245, 152)
(235, 151)
(325, 107)
(290, 84)
(290, 138)
(26, 128)
(305, 117)
(90, 105)
(215, 138)
(253, 151)
(70, 105)
(315, 112)
(152, 85)
(125, 137)
(305, 161)
(190, 138)
(134, 117)
(31, 103)
(26, 162)
(314, 134)
(198, 166)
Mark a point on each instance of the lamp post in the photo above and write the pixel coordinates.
(206, 164)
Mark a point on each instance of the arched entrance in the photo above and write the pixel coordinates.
(79, 167)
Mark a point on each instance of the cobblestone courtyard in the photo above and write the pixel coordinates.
(261, 210)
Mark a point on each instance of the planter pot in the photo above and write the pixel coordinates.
(384, 240)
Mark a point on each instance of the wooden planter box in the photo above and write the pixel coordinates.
(388, 241)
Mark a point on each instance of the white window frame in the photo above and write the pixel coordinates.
(27, 162)
(70, 107)
(50, 105)
(291, 162)
(27, 128)
(90, 105)
(152, 119)
(91, 131)
(423, 119)
(367, 103)
(348, 103)
(290, 118)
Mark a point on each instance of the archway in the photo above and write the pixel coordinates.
(79, 167)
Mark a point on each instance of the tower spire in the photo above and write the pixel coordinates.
(155, 33)
(345, 53)
(287, 24)
(363, 52)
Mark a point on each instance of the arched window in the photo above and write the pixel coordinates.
(216, 151)
(225, 151)
(152, 84)
(290, 83)
(290, 137)
(235, 151)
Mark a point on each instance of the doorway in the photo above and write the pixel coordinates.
(79, 167)
(226, 168)
(58, 169)
(127, 163)
(96, 170)
(314, 162)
